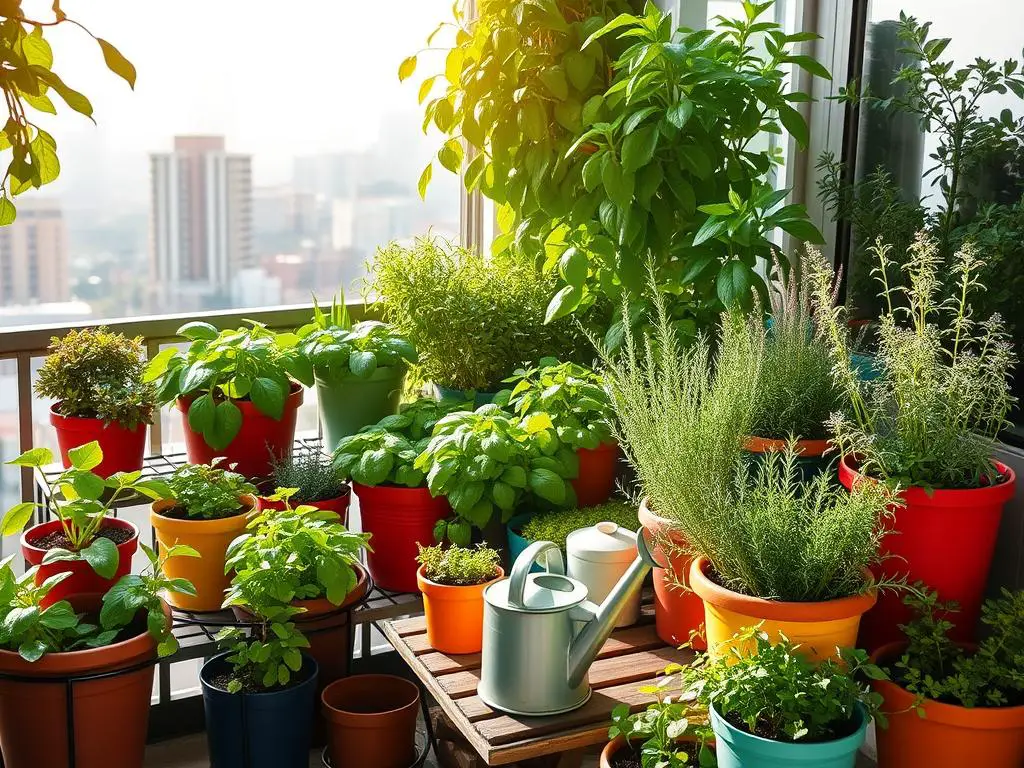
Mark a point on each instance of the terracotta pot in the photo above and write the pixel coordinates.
(210, 538)
(123, 448)
(398, 518)
(821, 628)
(455, 615)
(946, 539)
(948, 736)
(613, 747)
(596, 479)
(111, 714)
(804, 448)
(260, 439)
(339, 504)
(372, 721)
(84, 580)
(678, 612)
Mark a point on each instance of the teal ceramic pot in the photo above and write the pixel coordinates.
(478, 398)
(739, 749)
(350, 403)
(516, 542)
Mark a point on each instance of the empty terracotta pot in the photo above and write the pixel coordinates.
(371, 721)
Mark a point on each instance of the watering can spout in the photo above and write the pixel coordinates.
(600, 620)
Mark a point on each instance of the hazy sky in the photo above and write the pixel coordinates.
(279, 79)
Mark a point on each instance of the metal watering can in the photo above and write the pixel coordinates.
(541, 634)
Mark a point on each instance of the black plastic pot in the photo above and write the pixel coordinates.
(259, 730)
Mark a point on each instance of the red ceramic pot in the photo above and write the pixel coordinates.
(596, 480)
(83, 579)
(946, 539)
(338, 505)
(678, 611)
(398, 518)
(123, 448)
(260, 440)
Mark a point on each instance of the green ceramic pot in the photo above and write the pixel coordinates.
(350, 403)
(739, 749)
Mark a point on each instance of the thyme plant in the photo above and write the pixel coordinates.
(459, 566)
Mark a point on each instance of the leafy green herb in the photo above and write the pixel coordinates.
(556, 525)
(98, 374)
(459, 566)
(313, 475)
(219, 368)
(486, 462)
(574, 397)
(208, 492)
(659, 729)
(86, 499)
(268, 657)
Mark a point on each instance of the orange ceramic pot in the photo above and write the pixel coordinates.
(948, 736)
(455, 615)
(821, 628)
(678, 612)
(210, 538)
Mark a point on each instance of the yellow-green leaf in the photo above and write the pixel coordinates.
(36, 49)
(424, 181)
(8, 213)
(406, 68)
(426, 87)
(117, 63)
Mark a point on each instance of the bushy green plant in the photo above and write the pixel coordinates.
(473, 321)
(557, 524)
(941, 396)
(298, 553)
(267, 654)
(573, 396)
(934, 667)
(312, 474)
(31, 629)
(796, 391)
(459, 566)
(772, 690)
(385, 453)
(85, 501)
(658, 729)
(205, 492)
(337, 348)
(486, 462)
(96, 374)
(219, 367)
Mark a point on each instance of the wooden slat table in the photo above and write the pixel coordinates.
(632, 657)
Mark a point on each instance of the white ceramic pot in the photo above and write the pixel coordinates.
(597, 557)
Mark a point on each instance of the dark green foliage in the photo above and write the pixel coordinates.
(208, 493)
(556, 525)
(98, 374)
(313, 474)
(458, 566)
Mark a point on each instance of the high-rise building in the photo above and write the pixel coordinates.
(201, 222)
(34, 255)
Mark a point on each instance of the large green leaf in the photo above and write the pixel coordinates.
(547, 485)
(227, 421)
(102, 555)
(638, 147)
(88, 456)
(735, 281)
(201, 413)
(268, 396)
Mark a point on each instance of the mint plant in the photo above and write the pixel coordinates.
(337, 348)
(268, 657)
(658, 729)
(573, 396)
(487, 462)
(205, 492)
(221, 367)
(81, 500)
(459, 566)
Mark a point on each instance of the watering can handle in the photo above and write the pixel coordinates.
(644, 550)
(525, 561)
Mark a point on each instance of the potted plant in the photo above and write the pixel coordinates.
(358, 368)
(797, 393)
(488, 463)
(305, 559)
(790, 556)
(472, 321)
(452, 581)
(205, 507)
(577, 402)
(235, 393)
(395, 505)
(96, 377)
(770, 705)
(118, 634)
(556, 524)
(948, 703)
(928, 425)
(372, 720)
(681, 412)
(85, 539)
(316, 480)
(260, 695)
(661, 735)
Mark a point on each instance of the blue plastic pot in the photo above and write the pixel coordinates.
(478, 398)
(259, 730)
(739, 749)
